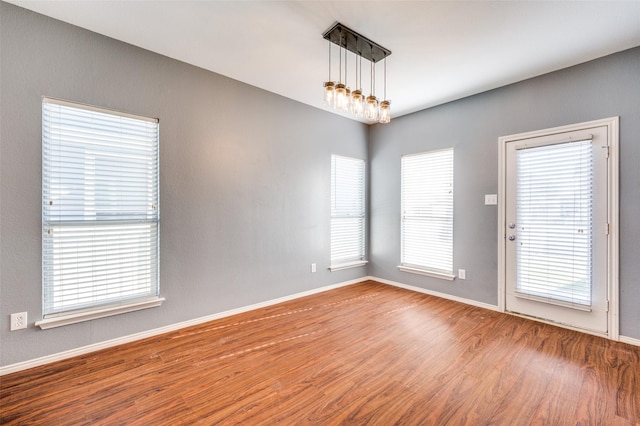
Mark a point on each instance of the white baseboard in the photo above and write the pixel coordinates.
(629, 340)
(437, 294)
(623, 339)
(13, 368)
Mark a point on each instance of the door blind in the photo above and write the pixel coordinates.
(427, 211)
(347, 210)
(100, 207)
(554, 221)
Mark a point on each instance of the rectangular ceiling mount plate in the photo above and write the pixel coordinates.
(356, 43)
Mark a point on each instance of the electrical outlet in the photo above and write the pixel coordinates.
(462, 274)
(313, 267)
(491, 199)
(18, 321)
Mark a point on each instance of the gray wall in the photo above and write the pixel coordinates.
(602, 88)
(244, 180)
(245, 176)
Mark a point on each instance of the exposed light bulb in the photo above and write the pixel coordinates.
(345, 102)
(385, 112)
(371, 108)
(329, 93)
(357, 103)
(342, 100)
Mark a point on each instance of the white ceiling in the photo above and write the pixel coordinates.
(441, 50)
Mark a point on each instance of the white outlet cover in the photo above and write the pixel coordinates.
(491, 199)
(18, 321)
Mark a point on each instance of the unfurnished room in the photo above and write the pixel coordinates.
(319, 212)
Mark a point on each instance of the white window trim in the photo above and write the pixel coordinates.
(63, 318)
(426, 272)
(553, 301)
(349, 265)
(360, 262)
(72, 317)
(418, 269)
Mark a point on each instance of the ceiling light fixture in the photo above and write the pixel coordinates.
(337, 95)
(385, 105)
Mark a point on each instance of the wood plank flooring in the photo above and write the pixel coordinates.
(363, 354)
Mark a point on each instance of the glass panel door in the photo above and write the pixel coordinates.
(556, 228)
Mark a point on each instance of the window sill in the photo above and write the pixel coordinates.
(426, 272)
(59, 320)
(342, 266)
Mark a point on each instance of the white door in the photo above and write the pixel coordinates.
(556, 228)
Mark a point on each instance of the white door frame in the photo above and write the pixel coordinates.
(612, 213)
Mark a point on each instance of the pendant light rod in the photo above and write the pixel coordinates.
(329, 62)
(355, 42)
(346, 79)
(372, 79)
(359, 74)
(340, 63)
(385, 78)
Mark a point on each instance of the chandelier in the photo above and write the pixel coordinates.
(337, 94)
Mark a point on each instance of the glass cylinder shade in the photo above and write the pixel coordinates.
(357, 103)
(341, 101)
(346, 106)
(371, 108)
(329, 93)
(385, 111)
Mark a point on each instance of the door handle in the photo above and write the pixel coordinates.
(512, 237)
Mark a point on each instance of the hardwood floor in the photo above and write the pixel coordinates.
(363, 354)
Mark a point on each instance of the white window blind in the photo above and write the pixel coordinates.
(427, 211)
(554, 220)
(100, 207)
(347, 210)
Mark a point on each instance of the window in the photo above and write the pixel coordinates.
(427, 213)
(554, 217)
(99, 212)
(347, 212)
